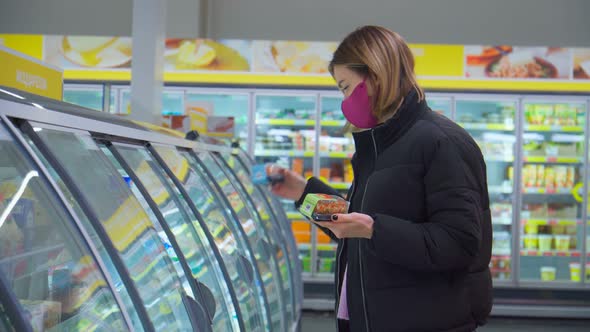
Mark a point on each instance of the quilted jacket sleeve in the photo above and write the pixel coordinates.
(450, 238)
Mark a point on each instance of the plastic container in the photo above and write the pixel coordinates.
(545, 242)
(562, 242)
(575, 272)
(531, 241)
(548, 273)
(531, 228)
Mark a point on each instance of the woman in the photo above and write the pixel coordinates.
(413, 252)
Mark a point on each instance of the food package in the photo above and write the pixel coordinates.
(570, 177)
(322, 207)
(560, 176)
(262, 175)
(550, 178)
(44, 315)
(530, 175)
(540, 176)
(297, 166)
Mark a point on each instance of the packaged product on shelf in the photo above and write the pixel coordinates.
(336, 172)
(587, 271)
(575, 272)
(531, 228)
(348, 173)
(325, 143)
(325, 173)
(550, 117)
(529, 173)
(537, 211)
(549, 178)
(562, 242)
(308, 173)
(548, 273)
(297, 166)
(43, 315)
(545, 242)
(531, 241)
(501, 241)
(540, 176)
(562, 211)
(560, 176)
(570, 176)
(501, 210)
(510, 173)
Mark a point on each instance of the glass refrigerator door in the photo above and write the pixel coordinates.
(89, 96)
(285, 135)
(440, 105)
(551, 214)
(228, 104)
(43, 257)
(336, 148)
(172, 102)
(237, 257)
(270, 223)
(492, 125)
(126, 223)
(196, 250)
(254, 232)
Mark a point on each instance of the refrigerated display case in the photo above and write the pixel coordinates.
(237, 256)
(268, 219)
(253, 230)
(552, 211)
(172, 101)
(135, 211)
(492, 123)
(89, 96)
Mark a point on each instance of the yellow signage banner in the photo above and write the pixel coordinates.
(25, 73)
(438, 60)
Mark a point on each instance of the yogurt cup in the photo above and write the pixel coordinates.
(562, 242)
(576, 272)
(545, 242)
(531, 241)
(548, 273)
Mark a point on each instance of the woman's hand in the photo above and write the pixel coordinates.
(292, 187)
(352, 225)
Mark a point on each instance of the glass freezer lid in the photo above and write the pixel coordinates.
(270, 225)
(234, 252)
(263, 251)
(126, 223)
(186, 230)
(46, 262)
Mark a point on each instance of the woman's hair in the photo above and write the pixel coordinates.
(385, 59)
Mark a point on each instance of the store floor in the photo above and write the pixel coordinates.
(323, 322)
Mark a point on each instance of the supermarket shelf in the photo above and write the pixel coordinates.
(283, 153)
(286, 122)
(551, 160)
(340, 185)
(295, 215)
(333, 123)
(499, 190)
(327, 247)
(501, 252)
(487, 126)
(546, 191)
(298, 122)
(341, 155)
(550, 253)
(499, 270)
(544, 222)
(501, 221)
(506, 159)
(546, 128)
(304, 246)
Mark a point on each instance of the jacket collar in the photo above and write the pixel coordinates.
(377, 139)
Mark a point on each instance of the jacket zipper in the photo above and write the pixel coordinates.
(359, 244)
(338, 256)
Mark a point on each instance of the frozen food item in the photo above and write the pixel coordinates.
(43, 315)
(540, 176)
(570, 177)
(263, 174)
(321, 207)
(530, 175)
(531, 241)
(297, 166)
(325, 173)
(550, 178)
(548, 273)
(560, 176)
(501, 240)
(575, 272)
(531, 228)
(562, 242)
(545, 242)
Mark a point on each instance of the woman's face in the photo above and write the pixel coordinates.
(348, 79)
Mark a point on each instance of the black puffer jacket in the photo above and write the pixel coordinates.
(423, 180)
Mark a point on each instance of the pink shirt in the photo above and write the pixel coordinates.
(343, 305)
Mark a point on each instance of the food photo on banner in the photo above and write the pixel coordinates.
(582, 63)
(514, 62)
(79, 52)
(206, 54)
(297, 57)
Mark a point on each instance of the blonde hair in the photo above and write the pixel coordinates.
(385, 59)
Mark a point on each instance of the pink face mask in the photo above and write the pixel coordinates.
(357, 108)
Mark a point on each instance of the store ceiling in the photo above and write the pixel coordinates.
(517, 22)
